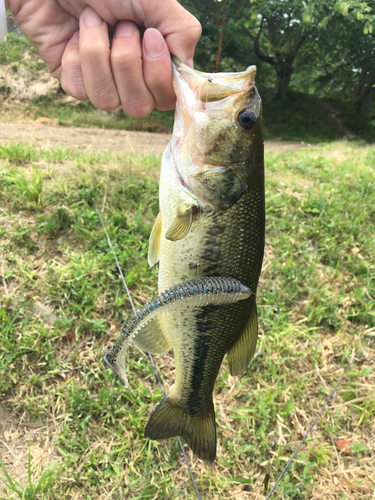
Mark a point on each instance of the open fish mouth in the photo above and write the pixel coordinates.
(215, 113)
(212, 87)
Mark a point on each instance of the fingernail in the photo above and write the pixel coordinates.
(153, 43)
(91, 18)
(190, 63)
(75, 37)
(125, 28)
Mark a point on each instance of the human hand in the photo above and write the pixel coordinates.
(134, 71)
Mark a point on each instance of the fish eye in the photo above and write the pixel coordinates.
(247, 118)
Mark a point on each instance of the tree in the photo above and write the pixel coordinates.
(339, 61)
(361, 56)
(320, 46)
(279, 28)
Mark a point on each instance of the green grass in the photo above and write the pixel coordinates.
(30, 190)
(316, 299)
(14, 49)
(84, 114)
(32, 490)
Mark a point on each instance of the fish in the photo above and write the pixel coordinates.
(208, 238)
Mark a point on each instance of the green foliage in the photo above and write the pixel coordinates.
(359, 449)
(19, 152)
(84, 114)
(303, 117)
(282, 30)
(318, 46)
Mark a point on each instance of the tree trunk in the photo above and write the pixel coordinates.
(367, 102)
(358, 90)
(284, 68)
(364, 95)
(284, 74)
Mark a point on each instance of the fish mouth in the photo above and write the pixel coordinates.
(206, 112)
(215, 86)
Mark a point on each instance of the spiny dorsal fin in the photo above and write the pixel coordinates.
(243, 350)
(181, 225)
(151, 338)
(154, 242)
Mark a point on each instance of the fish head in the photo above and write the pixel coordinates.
(217, 136)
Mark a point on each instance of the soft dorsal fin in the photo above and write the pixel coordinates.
(181, 225)
(151, 338)
(243, 350)
(154, 242)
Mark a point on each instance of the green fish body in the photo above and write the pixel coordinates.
(211, 223)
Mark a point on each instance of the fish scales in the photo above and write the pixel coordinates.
(226, 238)
(225, 244)
(211, 223)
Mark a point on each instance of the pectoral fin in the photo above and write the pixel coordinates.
(154, 242)
(181, 225)
(151, 338)
(243, 350)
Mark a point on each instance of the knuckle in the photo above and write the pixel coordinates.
(158, 78)
(94, 48)
(106, 101)
(194, 31)
(123, 59)
(155, 82)
(71, 59)
(104, 95)
(74, 87)
(166, 105)
(137, 108)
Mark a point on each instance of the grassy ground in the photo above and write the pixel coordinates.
(63, 304)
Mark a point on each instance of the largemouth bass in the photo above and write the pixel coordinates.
(211, 224)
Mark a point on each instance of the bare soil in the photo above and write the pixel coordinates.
(45, 132)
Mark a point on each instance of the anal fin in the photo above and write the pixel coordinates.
(151, 338)
(239, 356)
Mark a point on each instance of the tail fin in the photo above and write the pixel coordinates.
(169, 420)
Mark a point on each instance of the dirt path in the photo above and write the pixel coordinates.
(47, 134)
